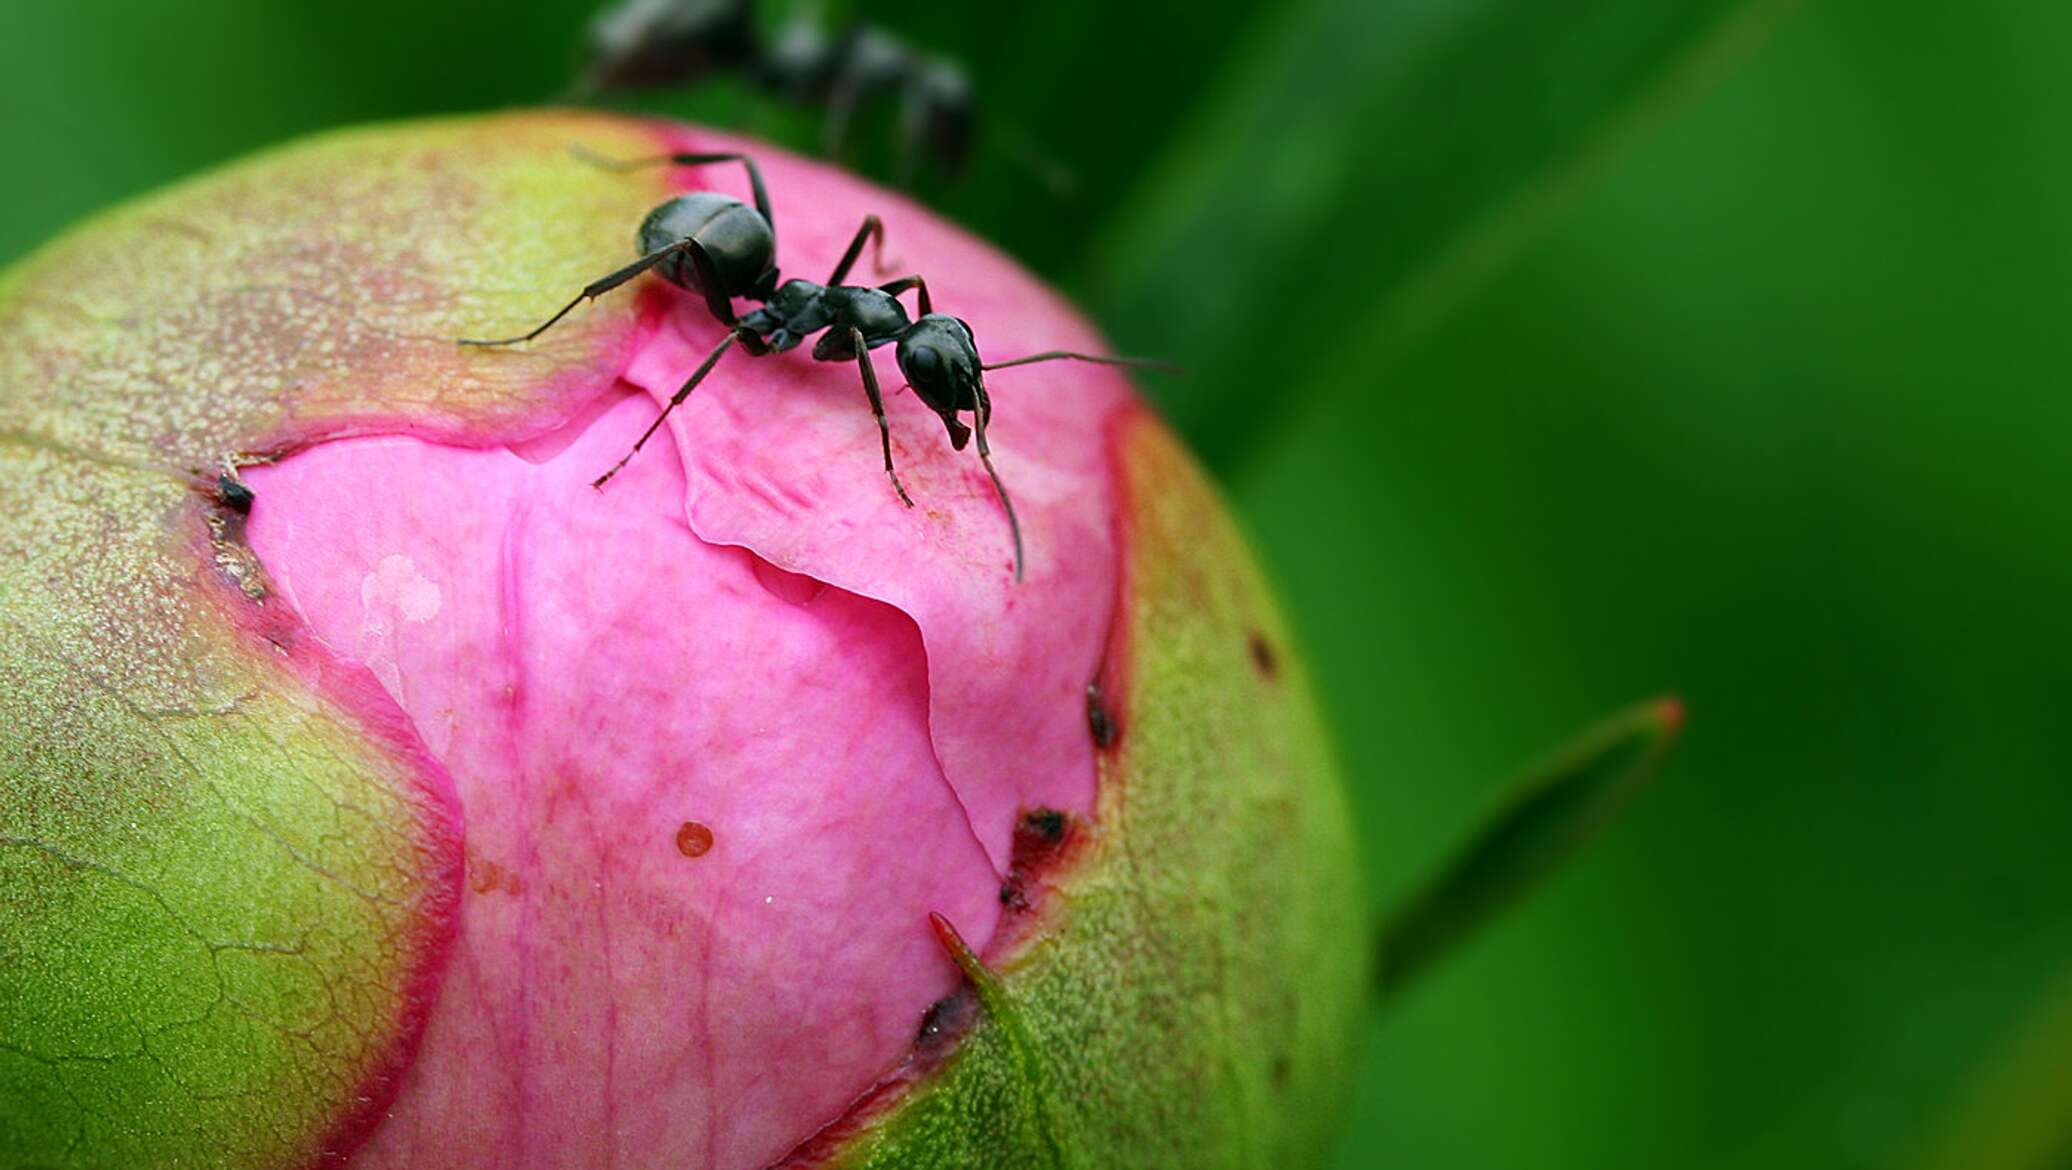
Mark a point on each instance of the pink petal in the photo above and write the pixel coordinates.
(783, 458)
(605, 674)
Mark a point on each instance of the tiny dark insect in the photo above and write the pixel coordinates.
(636, 44)
(722, 249)
(233, 494)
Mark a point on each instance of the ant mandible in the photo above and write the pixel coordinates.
(722, 249)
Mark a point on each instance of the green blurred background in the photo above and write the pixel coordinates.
(1557, 354)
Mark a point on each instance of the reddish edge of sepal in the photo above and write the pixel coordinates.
(280, 638)
(1048, 844)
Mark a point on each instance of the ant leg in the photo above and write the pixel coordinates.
(868, 61)
(870, 389)
(1061, 354)
(985, 455)
(913, 132)
(842, 99)
(873, 229)
(603, 285)
(755, 175)
(716, 301)
(935, 120)
(675, 400)
(896, 287)
(937, 117)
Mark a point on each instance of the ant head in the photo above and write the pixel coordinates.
(940, 361)
(737, 239)
(233, 494)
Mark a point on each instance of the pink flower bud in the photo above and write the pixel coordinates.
(438, 810)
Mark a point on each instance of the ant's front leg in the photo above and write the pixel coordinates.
(870, 389)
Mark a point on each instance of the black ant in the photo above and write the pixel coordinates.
(637, 44)
(721, 248)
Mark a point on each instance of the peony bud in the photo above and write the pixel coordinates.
(398, 800)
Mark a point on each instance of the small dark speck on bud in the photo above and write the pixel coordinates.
(1263, 657)
(1047, 823)
(932, 1021)
(234, 494)
(946, 1019)
(1098, 720)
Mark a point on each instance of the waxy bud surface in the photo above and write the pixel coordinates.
(442, 811)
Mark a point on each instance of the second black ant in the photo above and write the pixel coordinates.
(636, 44)
(723, 249)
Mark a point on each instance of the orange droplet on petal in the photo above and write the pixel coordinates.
(693, 839)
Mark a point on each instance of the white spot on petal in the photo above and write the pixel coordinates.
(397, 586)
(394, 594)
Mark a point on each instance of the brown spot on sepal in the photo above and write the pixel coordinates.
(1043, 837)
(229, 506)
(693, 839)
(1264, 658)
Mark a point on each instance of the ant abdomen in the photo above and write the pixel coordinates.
(735, 236)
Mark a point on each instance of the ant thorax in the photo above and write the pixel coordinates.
(802, 308)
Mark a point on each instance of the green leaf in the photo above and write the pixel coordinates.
(1371, 164)
(1551, 813)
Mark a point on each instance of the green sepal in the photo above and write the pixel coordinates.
(1186, 989)
(229, 869)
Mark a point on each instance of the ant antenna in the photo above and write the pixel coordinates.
(1053, 355)
(985, 456)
